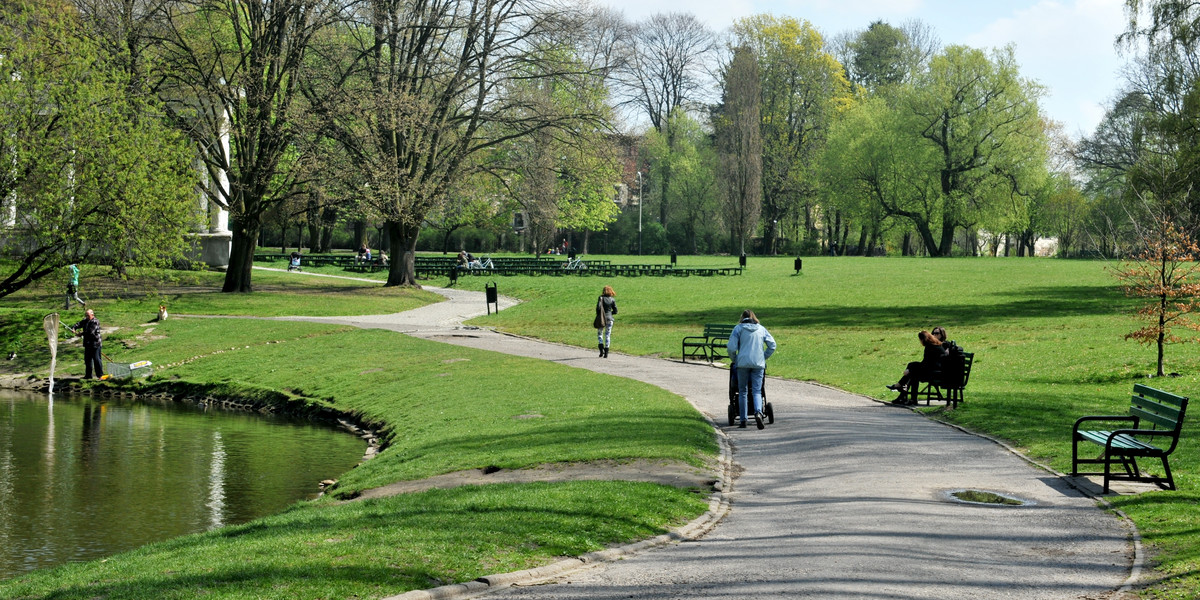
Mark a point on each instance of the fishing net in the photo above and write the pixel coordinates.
(50, 323)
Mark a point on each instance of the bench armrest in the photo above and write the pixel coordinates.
(703, 339)
(1124, 418)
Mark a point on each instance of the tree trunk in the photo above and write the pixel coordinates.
(946, 246)
(241, 254)
(403, 240)
(360, 235)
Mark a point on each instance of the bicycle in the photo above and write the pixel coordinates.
(575, 264)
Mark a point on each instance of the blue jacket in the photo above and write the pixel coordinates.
(750, 345)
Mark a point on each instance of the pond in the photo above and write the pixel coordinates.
(82, 478)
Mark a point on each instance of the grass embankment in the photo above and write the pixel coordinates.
(1048, 338)
(442, 408)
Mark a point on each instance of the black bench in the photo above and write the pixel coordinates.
(945, 385)
(1153, 414)
(713, 344)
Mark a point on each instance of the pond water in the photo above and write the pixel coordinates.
(82, 478)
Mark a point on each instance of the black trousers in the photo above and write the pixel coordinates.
(915, 370)
(91, 361)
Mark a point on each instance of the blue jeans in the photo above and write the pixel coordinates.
(604, 334)
(749, 380)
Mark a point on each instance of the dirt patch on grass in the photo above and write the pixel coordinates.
(676, 473)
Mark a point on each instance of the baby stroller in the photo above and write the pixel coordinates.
(294, 262)
(768, 410)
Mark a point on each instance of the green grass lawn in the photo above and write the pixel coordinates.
(1048, 338)
(440, 409)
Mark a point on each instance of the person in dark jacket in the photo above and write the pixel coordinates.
(90, 328)
(606, 307)
(931, 361)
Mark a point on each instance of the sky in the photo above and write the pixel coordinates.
(1065, 45)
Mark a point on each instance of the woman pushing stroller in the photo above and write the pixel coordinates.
(750, 345)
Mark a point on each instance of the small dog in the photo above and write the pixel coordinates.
(162, 313)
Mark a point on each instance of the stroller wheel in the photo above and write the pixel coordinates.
(770, 412)
(732, 414)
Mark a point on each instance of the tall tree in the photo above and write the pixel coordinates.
(89, 175)
(430, 88)
(981, 118)
(803, 88)
(665, 70)
(739, 144)
(232, 70)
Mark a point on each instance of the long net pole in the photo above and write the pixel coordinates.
(50, 323)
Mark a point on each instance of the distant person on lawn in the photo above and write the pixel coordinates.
(750, 345)
(606, 307)
(73, 286)
(90, 326)
(931, 362)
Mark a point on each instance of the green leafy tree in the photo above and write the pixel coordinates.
(231, 69)
(981, 120)
(802, 89)
(693, 164)
(89, 175)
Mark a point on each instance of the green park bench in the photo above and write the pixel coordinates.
(1153, 415)
(711, 345)
(946, 385)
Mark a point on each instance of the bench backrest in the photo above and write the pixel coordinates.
(718, 330)
(1163, 410)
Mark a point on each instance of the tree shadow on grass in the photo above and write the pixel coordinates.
(1040, 303)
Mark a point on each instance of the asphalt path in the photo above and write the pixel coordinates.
(842, 497)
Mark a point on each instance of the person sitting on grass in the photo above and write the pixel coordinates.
(931, 362)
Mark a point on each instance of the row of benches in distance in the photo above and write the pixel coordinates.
(510, 265)
(1151, 430)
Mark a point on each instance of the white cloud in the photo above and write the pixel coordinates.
(1069, 48)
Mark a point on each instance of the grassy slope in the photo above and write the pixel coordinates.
(443, 408)
(1048, 337)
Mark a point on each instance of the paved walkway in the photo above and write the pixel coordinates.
(843, 497)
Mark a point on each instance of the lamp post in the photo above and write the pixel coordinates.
(640, 199)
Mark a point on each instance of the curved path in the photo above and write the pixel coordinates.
(843, 497)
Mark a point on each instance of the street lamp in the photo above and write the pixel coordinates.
(639, 178)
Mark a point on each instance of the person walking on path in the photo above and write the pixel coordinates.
(750, 345)
(90, 326)
(73, 286)
(606, 307)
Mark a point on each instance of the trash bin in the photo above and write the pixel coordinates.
(799, 263)
(742, 260)
(492, 296)
(674, 257)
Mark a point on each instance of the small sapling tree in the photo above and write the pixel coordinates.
(1165, 275)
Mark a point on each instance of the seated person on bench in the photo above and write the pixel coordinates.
(931, 362)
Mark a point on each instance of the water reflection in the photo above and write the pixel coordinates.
(83, 478)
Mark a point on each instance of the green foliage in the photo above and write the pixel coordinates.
(802, 89)
(94, 174)
(962, 147)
